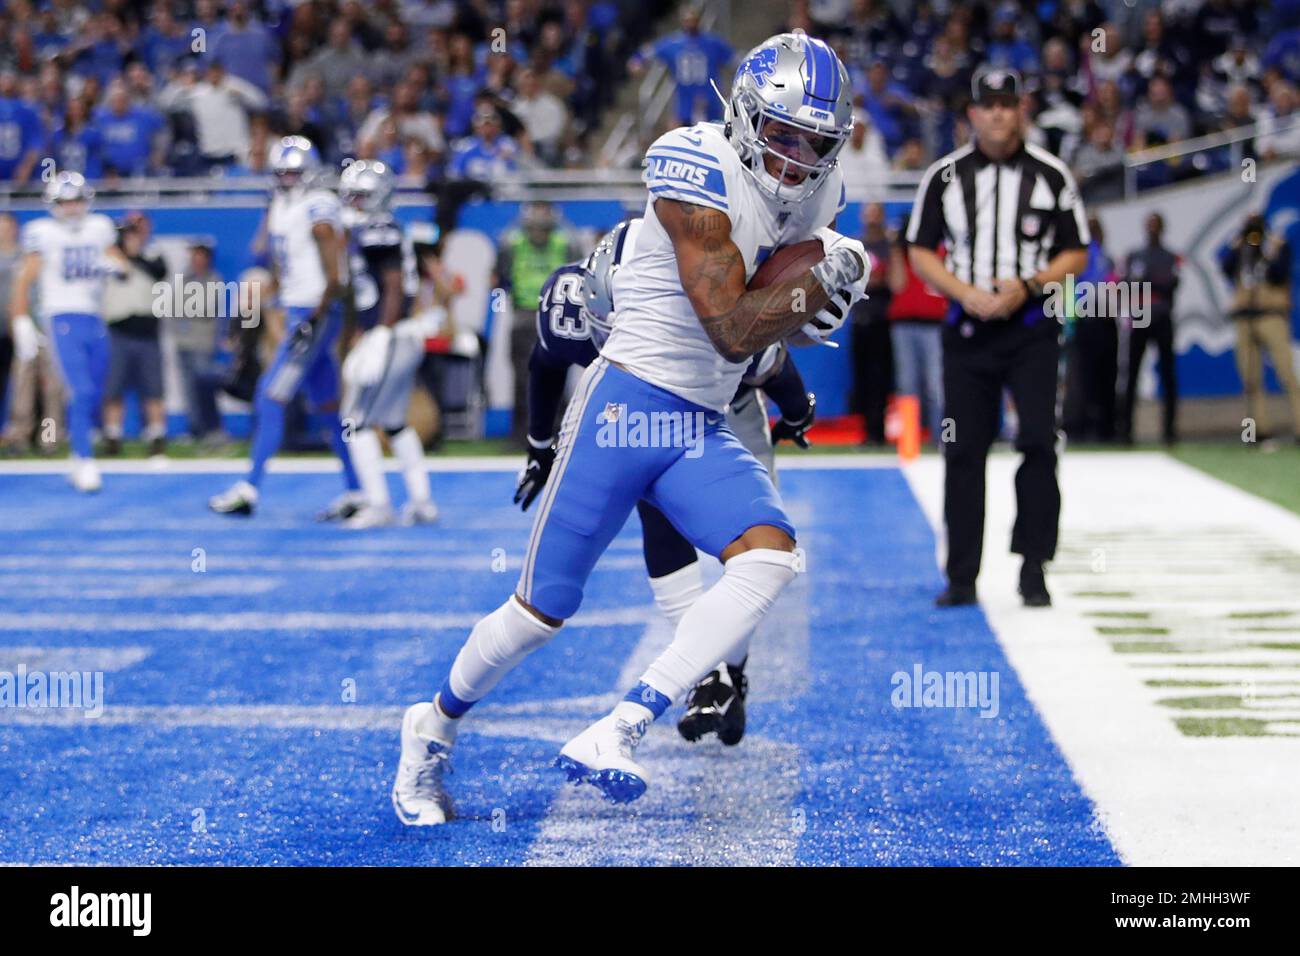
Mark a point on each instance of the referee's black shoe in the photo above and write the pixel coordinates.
(1033, 589)
(957, 595)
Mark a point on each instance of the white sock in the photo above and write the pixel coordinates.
(498, 642)
(677, 591)
(409, 452)
(368, 462)
(723, 617)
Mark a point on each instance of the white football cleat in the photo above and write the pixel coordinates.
(239, 499)
(419, 512)
(418, 793)
(370, 516)
(602, 756)
(85, 476)
(343, 507)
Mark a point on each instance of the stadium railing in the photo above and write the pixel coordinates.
(1234, 140)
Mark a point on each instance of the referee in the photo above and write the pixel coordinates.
(1010, 216)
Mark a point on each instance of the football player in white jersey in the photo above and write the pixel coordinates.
(305, 231)
(70, 253)
(720, 195)
(379, 372)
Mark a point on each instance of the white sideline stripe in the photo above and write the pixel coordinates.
(1163, 797)
(28, 590)
(71, 658)
(707, 805)
(789, 461)
(289, 621)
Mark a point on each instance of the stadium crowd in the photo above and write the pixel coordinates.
(123, 88)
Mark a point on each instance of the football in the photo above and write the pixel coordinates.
(787, 262)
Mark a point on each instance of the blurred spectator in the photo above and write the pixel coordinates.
(75, 144)
(1109, 106)
(1099, 164)
(1008, 49)
(246, 48)
(916, 313)
(197, 339)
(336, 62)
(527, 255)
(98, 49)
(21, 132)
(1159, 116)
(132, 136)
(460, 83)
(693, 59)
(390, 62)
(1105, 59)
(544, 115)
(889, 104)
(409, 120)
(165, 42)
(1279, 124)
(220, 105)
(1092, 353)
(135, 351)
(1239, 64)
(863, 160)
(1257, 264)
(873, 364)
(488, 153)
(1157, 268)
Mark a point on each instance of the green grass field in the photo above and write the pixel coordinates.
(1272, 473)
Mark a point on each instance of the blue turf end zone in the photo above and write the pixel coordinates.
(290, 619)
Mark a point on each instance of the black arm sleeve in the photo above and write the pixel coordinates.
(546, 380)
(787, 389)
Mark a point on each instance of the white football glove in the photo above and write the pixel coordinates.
(843, 273)
(365, 364)
(27, 338)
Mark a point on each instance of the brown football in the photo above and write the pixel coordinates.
(787, 262)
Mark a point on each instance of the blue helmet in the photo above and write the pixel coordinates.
(791, 101)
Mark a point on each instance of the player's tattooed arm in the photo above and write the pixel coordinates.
(739, 323)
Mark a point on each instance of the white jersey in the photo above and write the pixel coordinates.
(658, 336)
(289, 223)
(73, 263)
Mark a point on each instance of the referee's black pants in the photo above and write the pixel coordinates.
(976, 367)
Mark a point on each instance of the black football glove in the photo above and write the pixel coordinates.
(794, 431)
(533, 478)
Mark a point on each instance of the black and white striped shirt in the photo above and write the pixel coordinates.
(999, 220)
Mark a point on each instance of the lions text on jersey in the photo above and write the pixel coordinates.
(658, 337)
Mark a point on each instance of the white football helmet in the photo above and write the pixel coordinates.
(67, 188)
(295, 162)
(790, 100)
(366, 190)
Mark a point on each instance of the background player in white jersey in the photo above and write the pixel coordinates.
(574, 318)
(305, 231)
(70, 253)
(379, 372)
(687, 329)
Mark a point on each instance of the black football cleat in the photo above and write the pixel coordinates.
(716, 705)
(957, 595)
